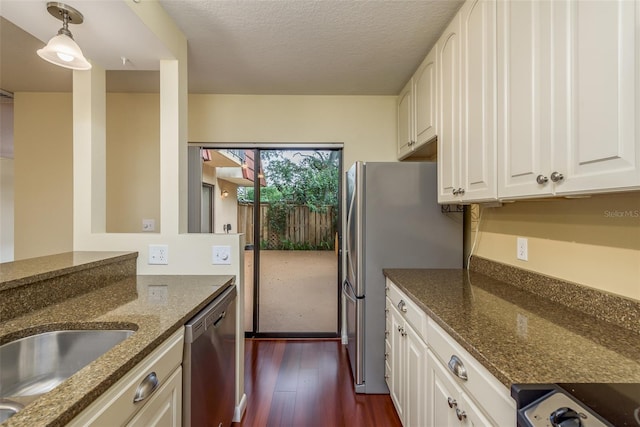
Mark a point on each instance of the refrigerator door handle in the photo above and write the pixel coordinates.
(347, 290)
(350, 214)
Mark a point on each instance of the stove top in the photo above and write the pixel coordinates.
(576, 405)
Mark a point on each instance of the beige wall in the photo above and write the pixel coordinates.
(43, 148)
(593, 241)
(365, 124)
(133, 161)
(580, 240)
(225, 210)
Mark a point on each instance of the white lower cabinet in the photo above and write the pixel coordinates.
(134, 401)
(424, 390)
(407, 376)
(447, 404)
(164, 408)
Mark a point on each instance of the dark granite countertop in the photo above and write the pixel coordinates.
(24, 272)
(155, 306)
(487, 317)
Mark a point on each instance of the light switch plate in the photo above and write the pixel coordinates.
(148, 225)
(158, 254)
(221, 255)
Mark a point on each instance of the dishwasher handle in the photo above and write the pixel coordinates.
(219, 319)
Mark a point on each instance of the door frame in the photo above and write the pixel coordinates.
(196, 170)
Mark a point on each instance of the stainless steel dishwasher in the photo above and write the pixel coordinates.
(209, 364)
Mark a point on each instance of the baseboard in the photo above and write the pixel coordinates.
(240, 409)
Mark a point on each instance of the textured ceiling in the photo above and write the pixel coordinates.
(307, 47)
(238, 47)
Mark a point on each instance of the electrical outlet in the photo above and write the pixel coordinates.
(221, 255)
(522, 250)
(158, 254)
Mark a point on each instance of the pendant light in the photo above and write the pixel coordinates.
(62, 50)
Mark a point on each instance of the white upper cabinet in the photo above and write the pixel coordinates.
(467, 99)
(417, 112)
(406, 137)
(425, 93)
(568, 97)
(524, 94)
(478, 112)
(596, 143)
(448, 53)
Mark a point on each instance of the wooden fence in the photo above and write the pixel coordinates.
(303, 230)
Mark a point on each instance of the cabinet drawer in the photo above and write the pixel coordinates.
(116, 406)
(490, 393)
(408, 309)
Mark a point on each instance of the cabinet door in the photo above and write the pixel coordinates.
(405, 120)
(473, 416)
(425, 96)
(415, 375)
(524, 97)
(397, 356)
(164, 408)
(478, 138)
(448, 62)
(442, 390)
(597, 143)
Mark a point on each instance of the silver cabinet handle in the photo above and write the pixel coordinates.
(541, 179)
(557, 177)
(451, 402)
(461, 414)
(461, 191)
(455, 365)
(455, 192)
(146, 388)
(402, 306)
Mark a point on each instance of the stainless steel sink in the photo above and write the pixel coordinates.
(36, 364)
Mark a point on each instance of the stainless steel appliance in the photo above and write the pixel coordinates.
(393, 221)
(209, 364)
(575, 405)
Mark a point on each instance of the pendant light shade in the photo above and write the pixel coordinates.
(65, 52)
(62, 50)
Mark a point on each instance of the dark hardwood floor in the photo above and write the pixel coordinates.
(307, 383)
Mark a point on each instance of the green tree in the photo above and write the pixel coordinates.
(308, 178)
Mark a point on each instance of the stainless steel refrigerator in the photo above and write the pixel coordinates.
(393, 221)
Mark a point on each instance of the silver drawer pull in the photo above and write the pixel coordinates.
(461, 414)
(146, 388)
(402, 306)
(458, 369)
(451, 402)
